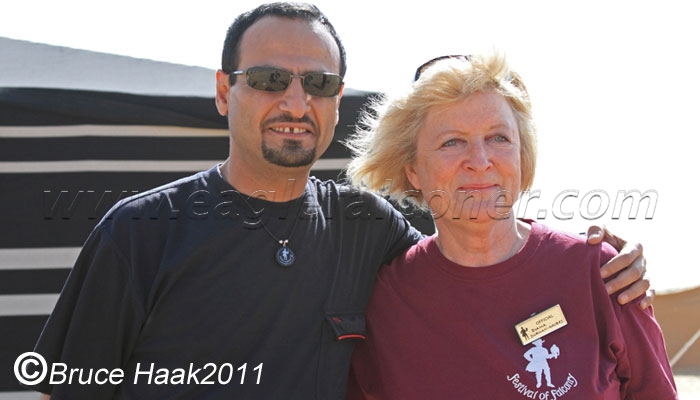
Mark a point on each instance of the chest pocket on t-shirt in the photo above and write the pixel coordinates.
(340, 333)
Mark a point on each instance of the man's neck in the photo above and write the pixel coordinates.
(282, 184)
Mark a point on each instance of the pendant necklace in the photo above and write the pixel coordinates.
(284, 255)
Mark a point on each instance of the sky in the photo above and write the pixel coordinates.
(614, 87)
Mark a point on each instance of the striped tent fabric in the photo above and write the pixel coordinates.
(80, 130)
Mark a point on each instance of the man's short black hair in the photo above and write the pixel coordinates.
(307, 12)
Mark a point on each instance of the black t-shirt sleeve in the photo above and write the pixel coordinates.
(95, 321)
(401, 234)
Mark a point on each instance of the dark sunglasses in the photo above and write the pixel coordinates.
(427, 64)
(270, 79)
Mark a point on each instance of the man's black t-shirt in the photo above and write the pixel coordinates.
(179, 290)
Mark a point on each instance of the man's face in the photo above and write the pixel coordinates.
(289, 128)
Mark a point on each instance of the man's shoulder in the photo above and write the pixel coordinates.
(161, 200)
(342, 191)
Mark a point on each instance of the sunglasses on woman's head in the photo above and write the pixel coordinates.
(271, 79)
(427, 64)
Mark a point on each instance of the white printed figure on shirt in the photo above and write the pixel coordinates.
(537, 357)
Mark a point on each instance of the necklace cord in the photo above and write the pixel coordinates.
(283, 243)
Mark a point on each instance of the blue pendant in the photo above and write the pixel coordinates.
(285, 257)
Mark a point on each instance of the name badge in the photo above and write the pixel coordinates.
(541, 324)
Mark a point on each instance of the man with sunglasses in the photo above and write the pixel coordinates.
(256, 287)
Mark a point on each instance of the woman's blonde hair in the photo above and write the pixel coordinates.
(385, 141)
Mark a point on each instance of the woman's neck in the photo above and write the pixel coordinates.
(475, 244)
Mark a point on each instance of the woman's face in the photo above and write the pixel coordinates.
(467, 162)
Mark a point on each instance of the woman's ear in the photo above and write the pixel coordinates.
(412, 176)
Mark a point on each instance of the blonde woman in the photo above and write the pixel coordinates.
(490, 305)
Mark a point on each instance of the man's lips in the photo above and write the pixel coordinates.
(290, 132)
(285, 125)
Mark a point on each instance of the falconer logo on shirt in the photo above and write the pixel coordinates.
(538, 359)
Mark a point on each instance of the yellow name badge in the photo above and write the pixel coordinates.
(541, 324)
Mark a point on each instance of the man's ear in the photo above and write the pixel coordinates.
(337, 104)
(222, 89)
